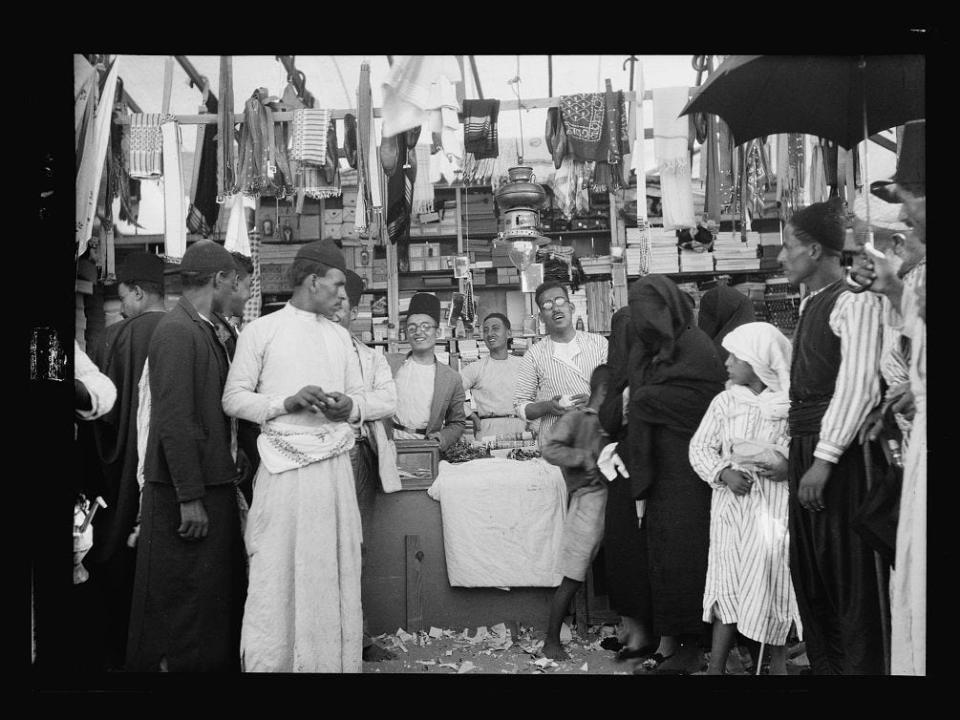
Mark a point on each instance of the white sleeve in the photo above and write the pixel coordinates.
(103, 393)
(240, 396)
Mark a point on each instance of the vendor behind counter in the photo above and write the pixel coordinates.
(491, 382)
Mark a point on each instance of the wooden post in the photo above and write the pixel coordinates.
(167, 84)
(414, 584)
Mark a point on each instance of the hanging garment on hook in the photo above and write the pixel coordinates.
(175, 211)
(480, 128)
(263, 155)
(146, 146)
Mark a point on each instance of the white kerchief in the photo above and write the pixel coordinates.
(768, 352)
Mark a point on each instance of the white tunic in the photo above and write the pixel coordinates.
(415, 383)
(303, 611)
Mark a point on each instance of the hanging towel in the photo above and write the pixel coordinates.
(238, 238)
(422, 187)
(309, 136)
(90, 166)
(480, 128)
(408, 90)
(174, 197)
(670, 134)
(146, 146)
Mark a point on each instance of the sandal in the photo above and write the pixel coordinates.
(641, 652)
(651, 663)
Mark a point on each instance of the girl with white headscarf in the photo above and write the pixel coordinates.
(740, 450)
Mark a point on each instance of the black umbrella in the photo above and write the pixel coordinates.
(844, 98)
(819, 95)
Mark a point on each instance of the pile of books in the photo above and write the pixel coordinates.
(731, 253)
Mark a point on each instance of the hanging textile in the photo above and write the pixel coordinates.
(237, 237)
(309, 136)
(146, 145)
(204, 212)
(582, 116)
(615, 140)
(409, 90)
(86, 93)
(367, 141)
(119, 181)
(571, 186)
(447, 156)
(480, 128)
(174, 207)
(670, 149)
(226, 154)
(251, 311)
(422, 188)
(710, 162)
(263, 155)
(90, 166)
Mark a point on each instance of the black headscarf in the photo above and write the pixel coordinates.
(721, 310)
(675, 372)
(621, 341)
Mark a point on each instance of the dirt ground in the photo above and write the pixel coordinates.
(504, 650)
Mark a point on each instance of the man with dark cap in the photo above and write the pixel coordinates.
(228, 327)
(430, 395)
(188, 591)
(834, 383)
(121, 357)
(380, 395)
(294, 375)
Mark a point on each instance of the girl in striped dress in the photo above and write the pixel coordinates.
(740, 449)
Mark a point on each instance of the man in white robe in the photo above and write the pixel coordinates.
(293, 375)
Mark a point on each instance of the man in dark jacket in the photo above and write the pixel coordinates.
(121, 357)
(188, 592)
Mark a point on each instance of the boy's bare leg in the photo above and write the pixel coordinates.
(723, 639)
(558, 609)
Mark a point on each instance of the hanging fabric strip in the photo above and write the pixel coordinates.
(237, 237)
(251, 311)
(90, 167)
(670, 132)
(145, 146)
(309, 136)
(174, 208)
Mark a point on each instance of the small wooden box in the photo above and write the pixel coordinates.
(418, 462)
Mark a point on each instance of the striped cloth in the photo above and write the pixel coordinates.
(174, 197)
(146, 146)
(251, 311)
(542, 375)
(309, 136)
(480, 128)
(748, 572)
(856, 320)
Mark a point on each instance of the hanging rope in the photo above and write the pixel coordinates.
(514, 83)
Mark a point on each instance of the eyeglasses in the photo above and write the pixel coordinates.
(423, 327)
(550, 304)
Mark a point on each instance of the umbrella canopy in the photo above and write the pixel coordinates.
(819, 95)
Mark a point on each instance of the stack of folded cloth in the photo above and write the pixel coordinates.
(731, 253)
(663, 251)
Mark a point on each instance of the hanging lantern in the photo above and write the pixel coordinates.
(520, 200)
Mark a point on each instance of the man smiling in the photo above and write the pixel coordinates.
(555, 374)
(492, 380)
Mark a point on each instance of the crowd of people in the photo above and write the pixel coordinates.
(731, 475)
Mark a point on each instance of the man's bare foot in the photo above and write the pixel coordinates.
(554, 651)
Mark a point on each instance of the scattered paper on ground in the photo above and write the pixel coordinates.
(465, 667)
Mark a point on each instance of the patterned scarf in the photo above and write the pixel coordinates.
(146, 146)
(480, 128)
(251, 311)
(314, 164)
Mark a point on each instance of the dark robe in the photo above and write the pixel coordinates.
(721, 310)
(674, 374)
(624, 539)
(832, 567)
(121, 357)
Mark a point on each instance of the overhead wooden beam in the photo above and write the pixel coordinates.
(197, 79)
(476, 78)
(884, 142)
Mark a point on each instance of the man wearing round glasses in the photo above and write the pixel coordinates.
(430, 395)
(555, 373)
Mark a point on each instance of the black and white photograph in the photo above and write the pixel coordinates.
(384, 365)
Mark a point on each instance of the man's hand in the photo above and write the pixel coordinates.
(337, 406)
(738, 483)
(193, 520)
(878, 274)
(814, 480)
(310, 397)
(475, 419)
(906, 405)
(579, 399)
(434, 436)
(871, 426)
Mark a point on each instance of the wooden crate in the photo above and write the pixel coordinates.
(418, 457)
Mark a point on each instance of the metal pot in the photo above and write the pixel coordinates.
(520, 194)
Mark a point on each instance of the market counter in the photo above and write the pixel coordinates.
(405, 581)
